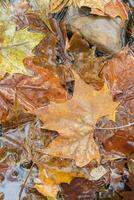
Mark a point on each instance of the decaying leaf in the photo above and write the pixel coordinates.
(74, 121)
(31, 91)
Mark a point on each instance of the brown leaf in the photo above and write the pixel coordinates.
(128, 195)
(122, 142)
(74, 120)
(114, 8)
(91, 3)
(31, 91)
(79, 188)
(60, 4)
(49, 180)
(85, 61)
(118, 73)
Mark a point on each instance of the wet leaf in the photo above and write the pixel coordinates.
(128, 195)
(49, 180)
(14, 45)
(74, 121)
(122, 142)
(79, 188)
(118, 73)
(31, 91)
(85, 61)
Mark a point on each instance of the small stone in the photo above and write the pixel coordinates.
(103, 32)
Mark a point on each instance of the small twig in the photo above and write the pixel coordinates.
(25, 181)
(114, 128)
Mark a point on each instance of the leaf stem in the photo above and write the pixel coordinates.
(114, 128)
(25, 181)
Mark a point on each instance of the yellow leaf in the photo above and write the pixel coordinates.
(14, 45)
(49, 180)
(74, 121)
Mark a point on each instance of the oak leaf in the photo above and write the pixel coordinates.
(74, 120)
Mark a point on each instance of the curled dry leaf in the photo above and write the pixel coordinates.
(74, 120)
(31, 91)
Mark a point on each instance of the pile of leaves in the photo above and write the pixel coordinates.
(66, 108)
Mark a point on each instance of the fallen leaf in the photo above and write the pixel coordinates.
(91, 3)
(31, 91)
(74, 119)
(85, 61)
(79, 188)
(49, 180)
(56, 6)
(53, 6)
(128, 195)
(121, 143)
(14, 45)
(97, 173)
(114, 8)
(118, 73)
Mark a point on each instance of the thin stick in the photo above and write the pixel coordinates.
(114, 128)
(25, 181)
